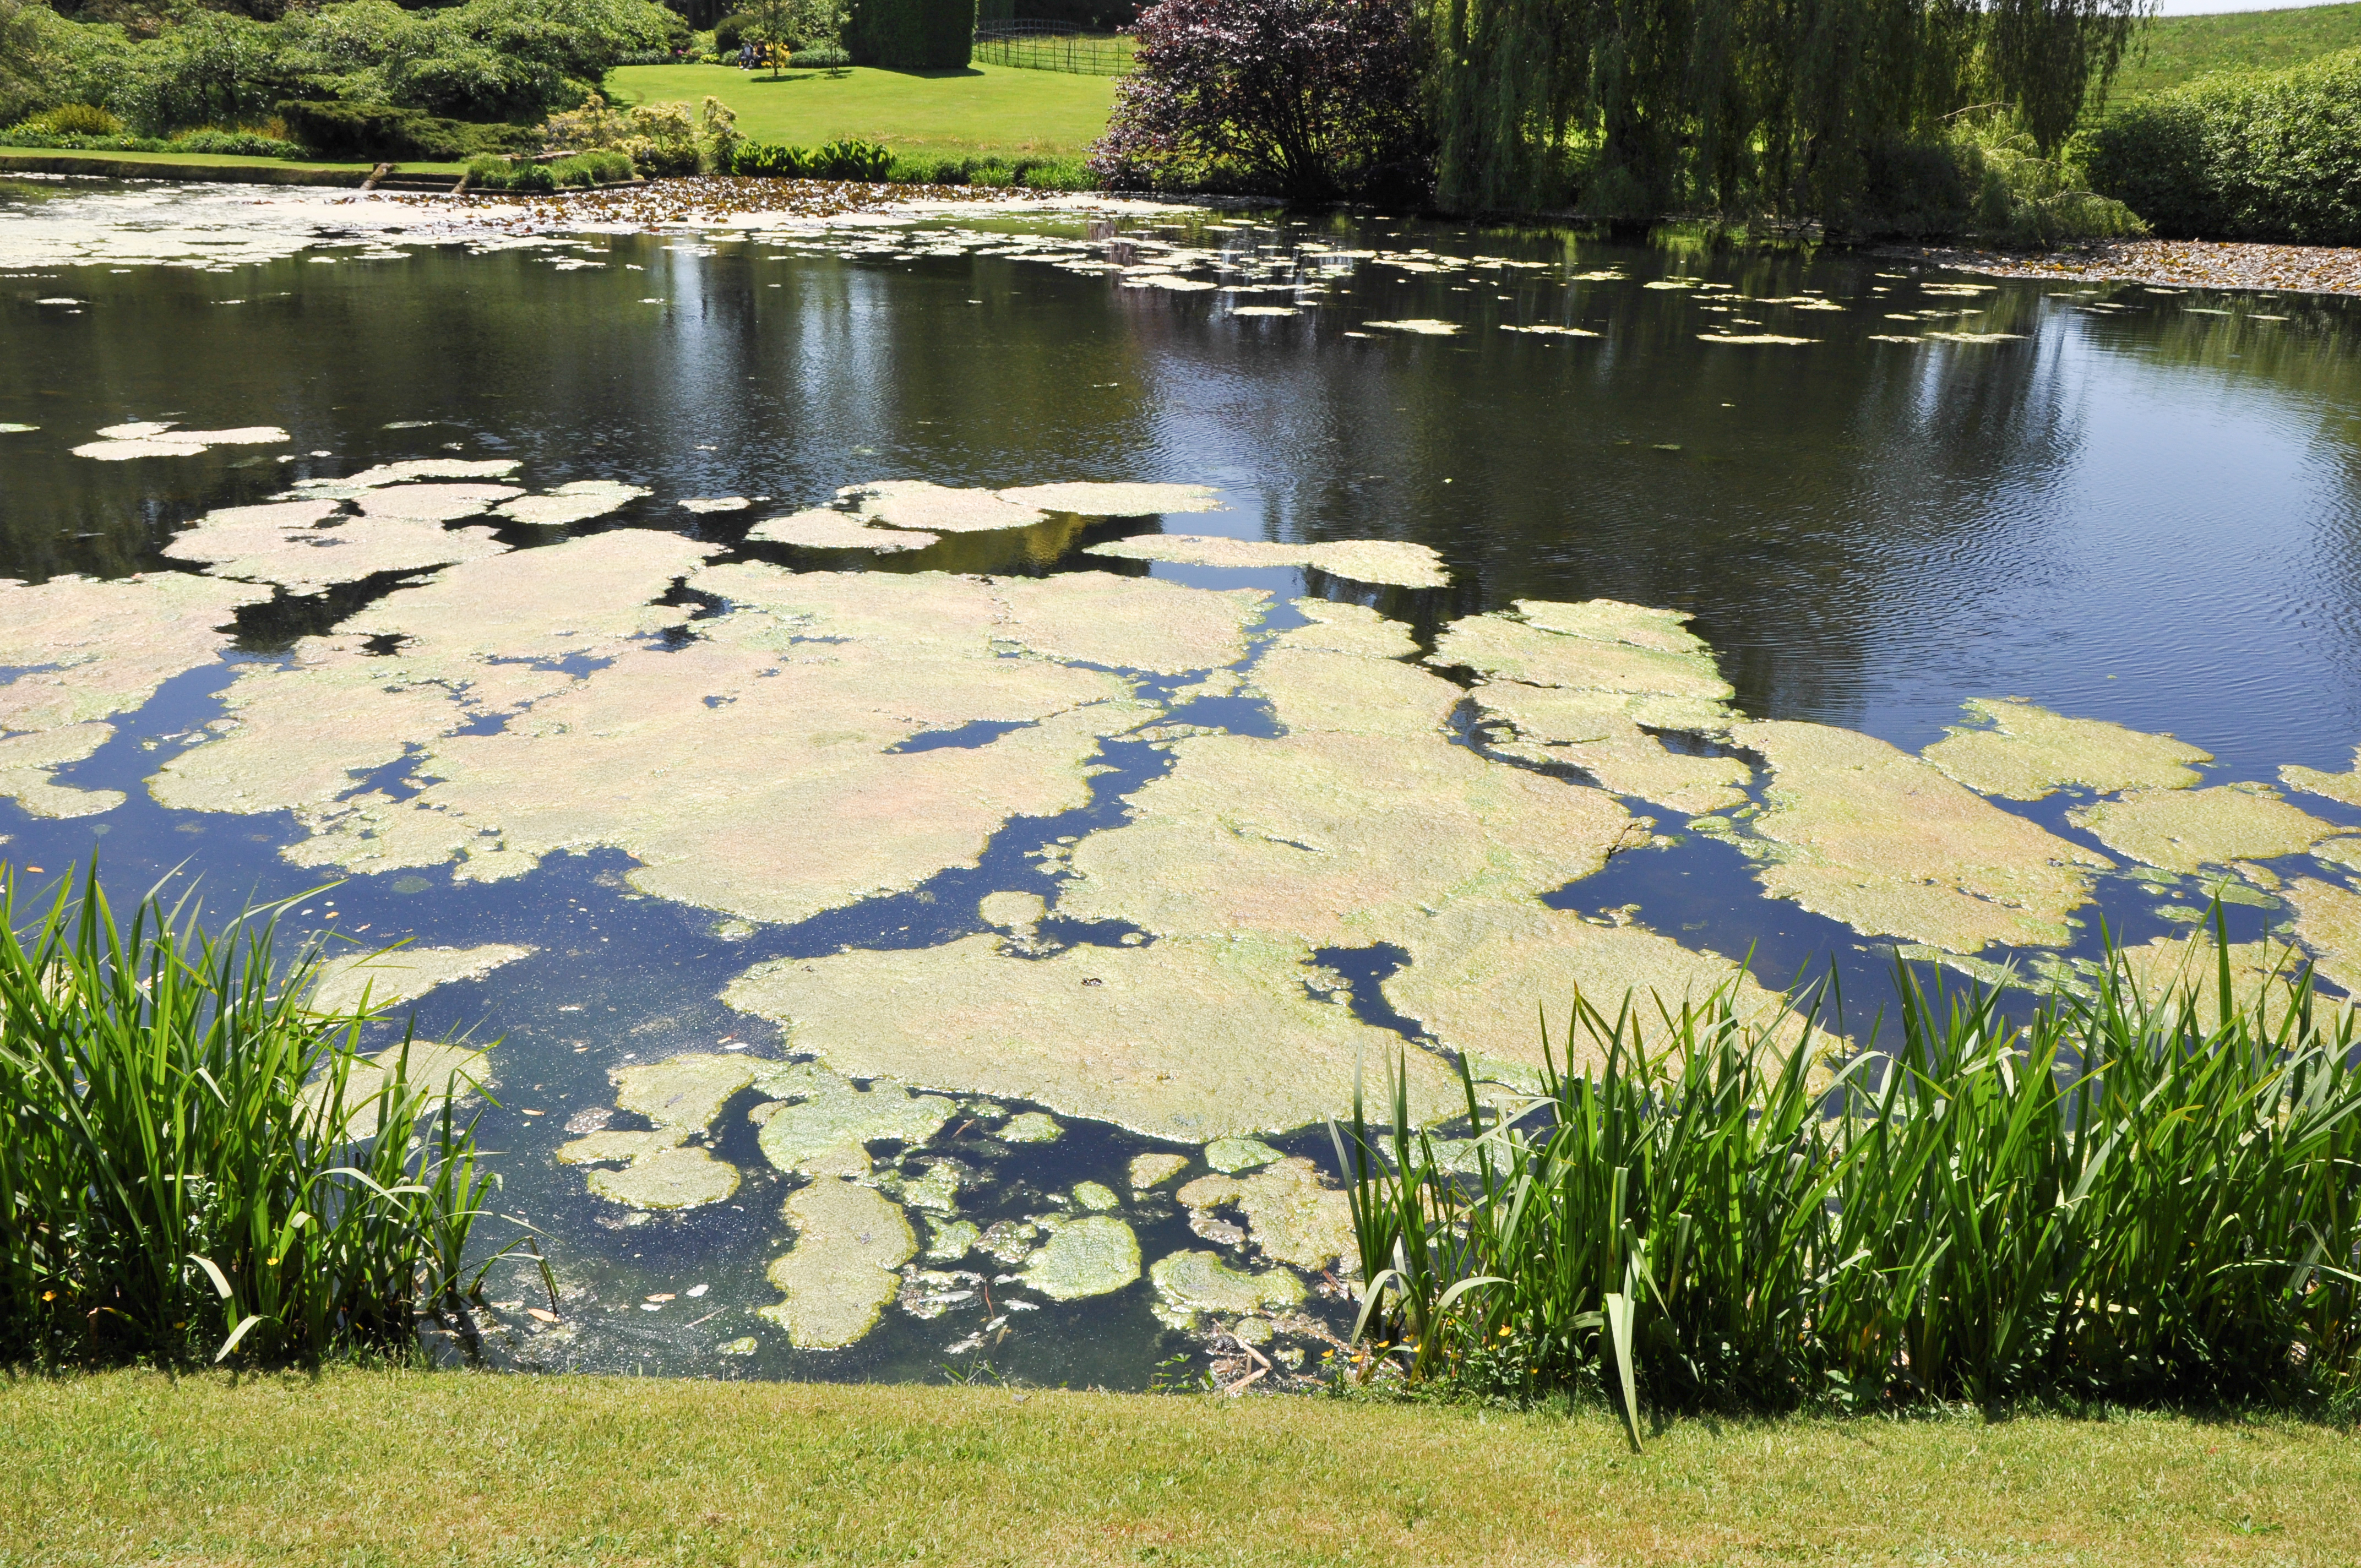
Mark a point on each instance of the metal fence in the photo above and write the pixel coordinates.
(1051, 46)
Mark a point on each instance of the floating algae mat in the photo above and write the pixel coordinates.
(904, 782)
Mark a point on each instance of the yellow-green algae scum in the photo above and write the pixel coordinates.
(769, 762)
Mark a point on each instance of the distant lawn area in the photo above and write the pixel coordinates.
(2180, 48)
(985, 109)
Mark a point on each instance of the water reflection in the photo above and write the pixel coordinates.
(2143, 513)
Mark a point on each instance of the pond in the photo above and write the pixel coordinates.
(939, 741)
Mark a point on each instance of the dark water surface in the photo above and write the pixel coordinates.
(2148, 513)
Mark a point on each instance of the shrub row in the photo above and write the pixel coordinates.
(241, 144)
(860, 160)
(2260, 156)
(601, 168)
(1024, 173)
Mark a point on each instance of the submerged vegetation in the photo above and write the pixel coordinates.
(195, 1165)
(2130, 1198)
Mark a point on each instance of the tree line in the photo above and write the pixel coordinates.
(1809, 107)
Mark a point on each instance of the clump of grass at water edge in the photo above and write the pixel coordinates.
(2120, 1199)
(196, 1165)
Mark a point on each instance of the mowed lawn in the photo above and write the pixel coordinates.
(465, 1468)
(982, 110)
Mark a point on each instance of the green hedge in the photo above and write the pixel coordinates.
(242, 144)
(2260, 156)
(862, 160)
(1026, 174)
(603, 168)
(385, 130)
(911, 35)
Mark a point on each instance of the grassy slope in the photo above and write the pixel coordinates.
(2179, 48)
(459, 1468)
(984, 109)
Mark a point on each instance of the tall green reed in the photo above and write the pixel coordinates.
(2121, 1197)
(195, 1165)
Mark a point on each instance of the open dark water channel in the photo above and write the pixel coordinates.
(2145, 508)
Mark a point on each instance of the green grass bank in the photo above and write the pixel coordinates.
(2173, 51)
(983, 110)
(225, 166)
(364, 1468)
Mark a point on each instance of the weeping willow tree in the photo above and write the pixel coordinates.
(1791, 106)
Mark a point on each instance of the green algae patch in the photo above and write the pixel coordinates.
(615, 1144)
(2182, 830)
(161, 438)
(1338, 628)
(839, 1276)
(433, 503)
(1185, 1039)
(1335, 839)
(1359, 560)
(822, 1125)
(1291, 1213)
(1594, 730)
(1013, 911)
(1614, 620)
(788, 709)
(1090, 1254)
(683, 1096)
(1865, 833)
(1191, 1283)
(1603, 646)
(1230, 1156)
(445, 1070)
(89, 649)
(2328, 923)
(825, 528)
(925, 508)
(2344, 786)
(577, 502)
(1095, 1196)
(2023, 752)
(667, 1179)
(305, 553)
(399, 974)
(407, 471)
(1478, 972)
(1117, 499)
(952, 1239)
(27, 763)
(1150, 1170)
(685, 1091)
(1032, 1127)
(1137, 623)
(1344, 694)
(1582, 683)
